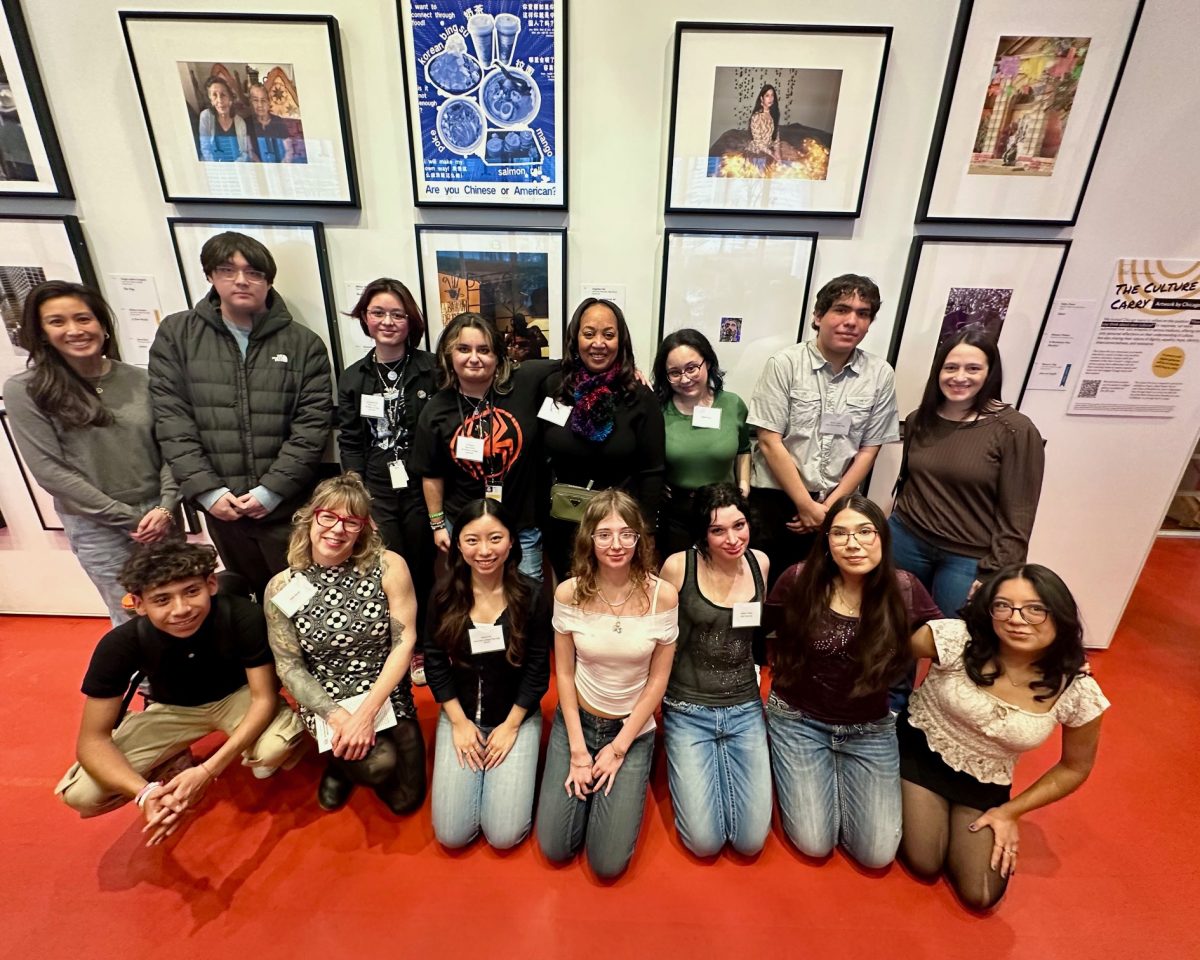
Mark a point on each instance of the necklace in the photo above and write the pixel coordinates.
(854, 610)
(616, 606)
(390, 367)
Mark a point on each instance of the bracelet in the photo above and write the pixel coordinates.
(437, 516)
(204, 766)
(166, 511)
(619, 754)
(436, 525)
(140, 799)
(574, 764)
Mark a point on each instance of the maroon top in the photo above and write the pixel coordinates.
(823, 692)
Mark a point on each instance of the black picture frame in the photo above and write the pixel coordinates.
(905, 304)
(272, 24)
(55, 181)
(866, 132)
(968, 15)
(195, 287)
(410, 63)
(31, 485)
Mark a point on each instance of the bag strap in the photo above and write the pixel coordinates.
(654, 599)
(902, 476)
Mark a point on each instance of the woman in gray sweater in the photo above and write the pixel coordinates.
(82, 421)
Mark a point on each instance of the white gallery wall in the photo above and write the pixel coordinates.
(1108, 481)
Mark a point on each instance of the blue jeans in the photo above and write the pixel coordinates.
(719, 770)
(531, 550)
(947, 576)
(498, 801)
(102, 551)
(608, 824)
(836, 783)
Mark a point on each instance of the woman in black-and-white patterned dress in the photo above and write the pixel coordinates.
(341, 623)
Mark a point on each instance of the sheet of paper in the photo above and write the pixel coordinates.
(385, 719)
(139, 312)
(604, 291)
(1063, 343)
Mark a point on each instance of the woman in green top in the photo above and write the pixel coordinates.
(82, 421)
(707, 437)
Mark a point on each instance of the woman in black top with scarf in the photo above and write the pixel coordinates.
(614, 435)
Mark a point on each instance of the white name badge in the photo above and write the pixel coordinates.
(469, 448)
(489, 639)
(294, 595)
(371, 405)
(555, 412)
(748, 614)
(709, 417)
(835, 424)
(398, 474)
(494, 491)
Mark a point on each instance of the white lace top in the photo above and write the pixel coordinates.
(978, 733)
(611, 668)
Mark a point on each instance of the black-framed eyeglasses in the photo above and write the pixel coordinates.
(1031, 613)
(627, 538)
(379, 314)
(689, 371)
(865, 536)
(227, 271)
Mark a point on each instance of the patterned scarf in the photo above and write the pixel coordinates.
(595, 401)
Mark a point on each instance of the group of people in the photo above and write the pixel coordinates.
(679, 553)
(223, 135)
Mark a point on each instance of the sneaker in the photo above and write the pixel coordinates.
(416, 669)
(290, 759)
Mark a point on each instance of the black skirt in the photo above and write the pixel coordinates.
(919, 764)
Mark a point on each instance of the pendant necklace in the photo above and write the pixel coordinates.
(616, 606)
(390, 367)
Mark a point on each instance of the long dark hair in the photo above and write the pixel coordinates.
(1060, 661)
(56, 389)
(708, 500)
(571, 361)
(687, 337)
(986, 400)
(453, 596)
(774, 109)
(416, 322)
(881, 644)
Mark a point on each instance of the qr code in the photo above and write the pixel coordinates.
(1089, 389)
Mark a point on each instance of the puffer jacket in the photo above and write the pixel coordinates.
(222, 421)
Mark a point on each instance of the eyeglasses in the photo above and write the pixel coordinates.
(328, 519)
(689, 371)
(865, 536)
(379, 315)
(227, 271)
(1031, 613)
(627, 538)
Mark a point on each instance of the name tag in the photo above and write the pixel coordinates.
(398, 474)
(835, 424)
(555, 412)
(748, 614)
(494, 491)
(709, 417)
(294, 595)
(489, 639)
(469, 448)
(371, 405)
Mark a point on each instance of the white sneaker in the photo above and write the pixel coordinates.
(290, 759)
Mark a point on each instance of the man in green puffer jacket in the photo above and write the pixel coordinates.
(242, 406)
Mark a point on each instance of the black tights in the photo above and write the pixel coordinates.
(936, 838)
(394, 768)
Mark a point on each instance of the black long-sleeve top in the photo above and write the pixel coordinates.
(486, 685)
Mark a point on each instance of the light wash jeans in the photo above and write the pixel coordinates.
(608, 824)
(498, 801)
(836, 783)
(719, 770)
(102, 551)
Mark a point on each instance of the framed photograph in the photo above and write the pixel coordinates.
(43, 503)
(1003, 286)
(486, 87)
(35, 249)
(1027, 95)
(773, 118)
(746, 292)
(244, 107)
(301, 278)
(31, 160)
(498, 273)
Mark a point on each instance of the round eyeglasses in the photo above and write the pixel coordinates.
(689, 371)
(626, 538)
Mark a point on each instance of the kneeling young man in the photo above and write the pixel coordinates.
(209, 667)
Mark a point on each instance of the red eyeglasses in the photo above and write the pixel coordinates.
(329, 519)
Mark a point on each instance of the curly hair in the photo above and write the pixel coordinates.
(473, 321)
(341, 493)
(154, 564)
(1060, 664)
(881, 642)
(416, 322)
(584, 566)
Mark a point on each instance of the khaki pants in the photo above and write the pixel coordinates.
(162, 730)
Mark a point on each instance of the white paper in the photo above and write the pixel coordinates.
(709, 417)
(487, 639)
(139, 312)
(385, 719)
(295, 594)
(371, 405)
(398, 474)
(1062, 344)
(604, 291)
(469, 448)
(748, 614)
(555, 412)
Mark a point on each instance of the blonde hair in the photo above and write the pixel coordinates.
(583, 562)
(346, 493)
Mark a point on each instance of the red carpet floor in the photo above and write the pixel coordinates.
(263, 873)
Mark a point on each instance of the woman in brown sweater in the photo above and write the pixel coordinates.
(971, 476)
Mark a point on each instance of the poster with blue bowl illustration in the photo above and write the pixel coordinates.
(485, 83)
